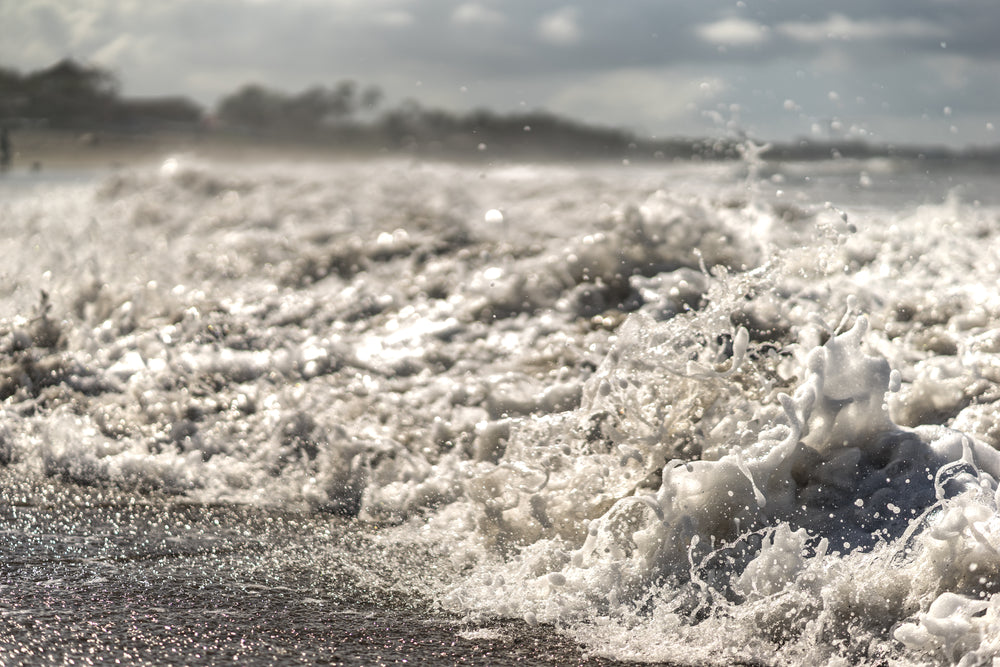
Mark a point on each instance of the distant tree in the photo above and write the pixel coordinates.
(343, 100)
(69, 76)
(371, 97)
(252, 106)
(154, 112)
(12, 95)
(402, 126)
(69, 94)
(308, 109)
(10, 80)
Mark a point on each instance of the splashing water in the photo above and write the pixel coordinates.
(674, 422)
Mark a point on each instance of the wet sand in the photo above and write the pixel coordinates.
(92, 576)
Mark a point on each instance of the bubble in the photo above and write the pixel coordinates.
(493, 273)
(170, 166)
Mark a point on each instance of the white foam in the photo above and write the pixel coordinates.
(679, 419)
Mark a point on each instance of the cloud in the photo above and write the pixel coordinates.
(474, 13)
(733, 31)
(660, 98)
(116, 50)
(638, 64)
(394, 18)
(561, 27)
(840, 27)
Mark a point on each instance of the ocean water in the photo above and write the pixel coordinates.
(394, 410)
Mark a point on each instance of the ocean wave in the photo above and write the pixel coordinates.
(676, 414)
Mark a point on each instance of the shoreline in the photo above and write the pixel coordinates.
(35, 149)
(217, 583)
(40, 150)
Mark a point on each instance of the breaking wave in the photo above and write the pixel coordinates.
(672, 412)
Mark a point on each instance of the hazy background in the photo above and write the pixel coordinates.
(906, 71)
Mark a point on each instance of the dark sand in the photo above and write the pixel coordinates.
(96, 577)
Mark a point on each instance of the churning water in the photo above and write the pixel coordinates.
(368, 412)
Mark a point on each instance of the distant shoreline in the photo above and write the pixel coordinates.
(44, 148)
(35, 149)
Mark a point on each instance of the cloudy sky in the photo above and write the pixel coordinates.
(885, 70)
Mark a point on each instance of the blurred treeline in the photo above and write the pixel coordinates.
(85, 99)
(69, 96)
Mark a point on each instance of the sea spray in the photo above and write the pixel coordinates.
(668, 417)
(832, 486)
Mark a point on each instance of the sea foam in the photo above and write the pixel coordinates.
(675, 414)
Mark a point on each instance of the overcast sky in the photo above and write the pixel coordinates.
(886, 70)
